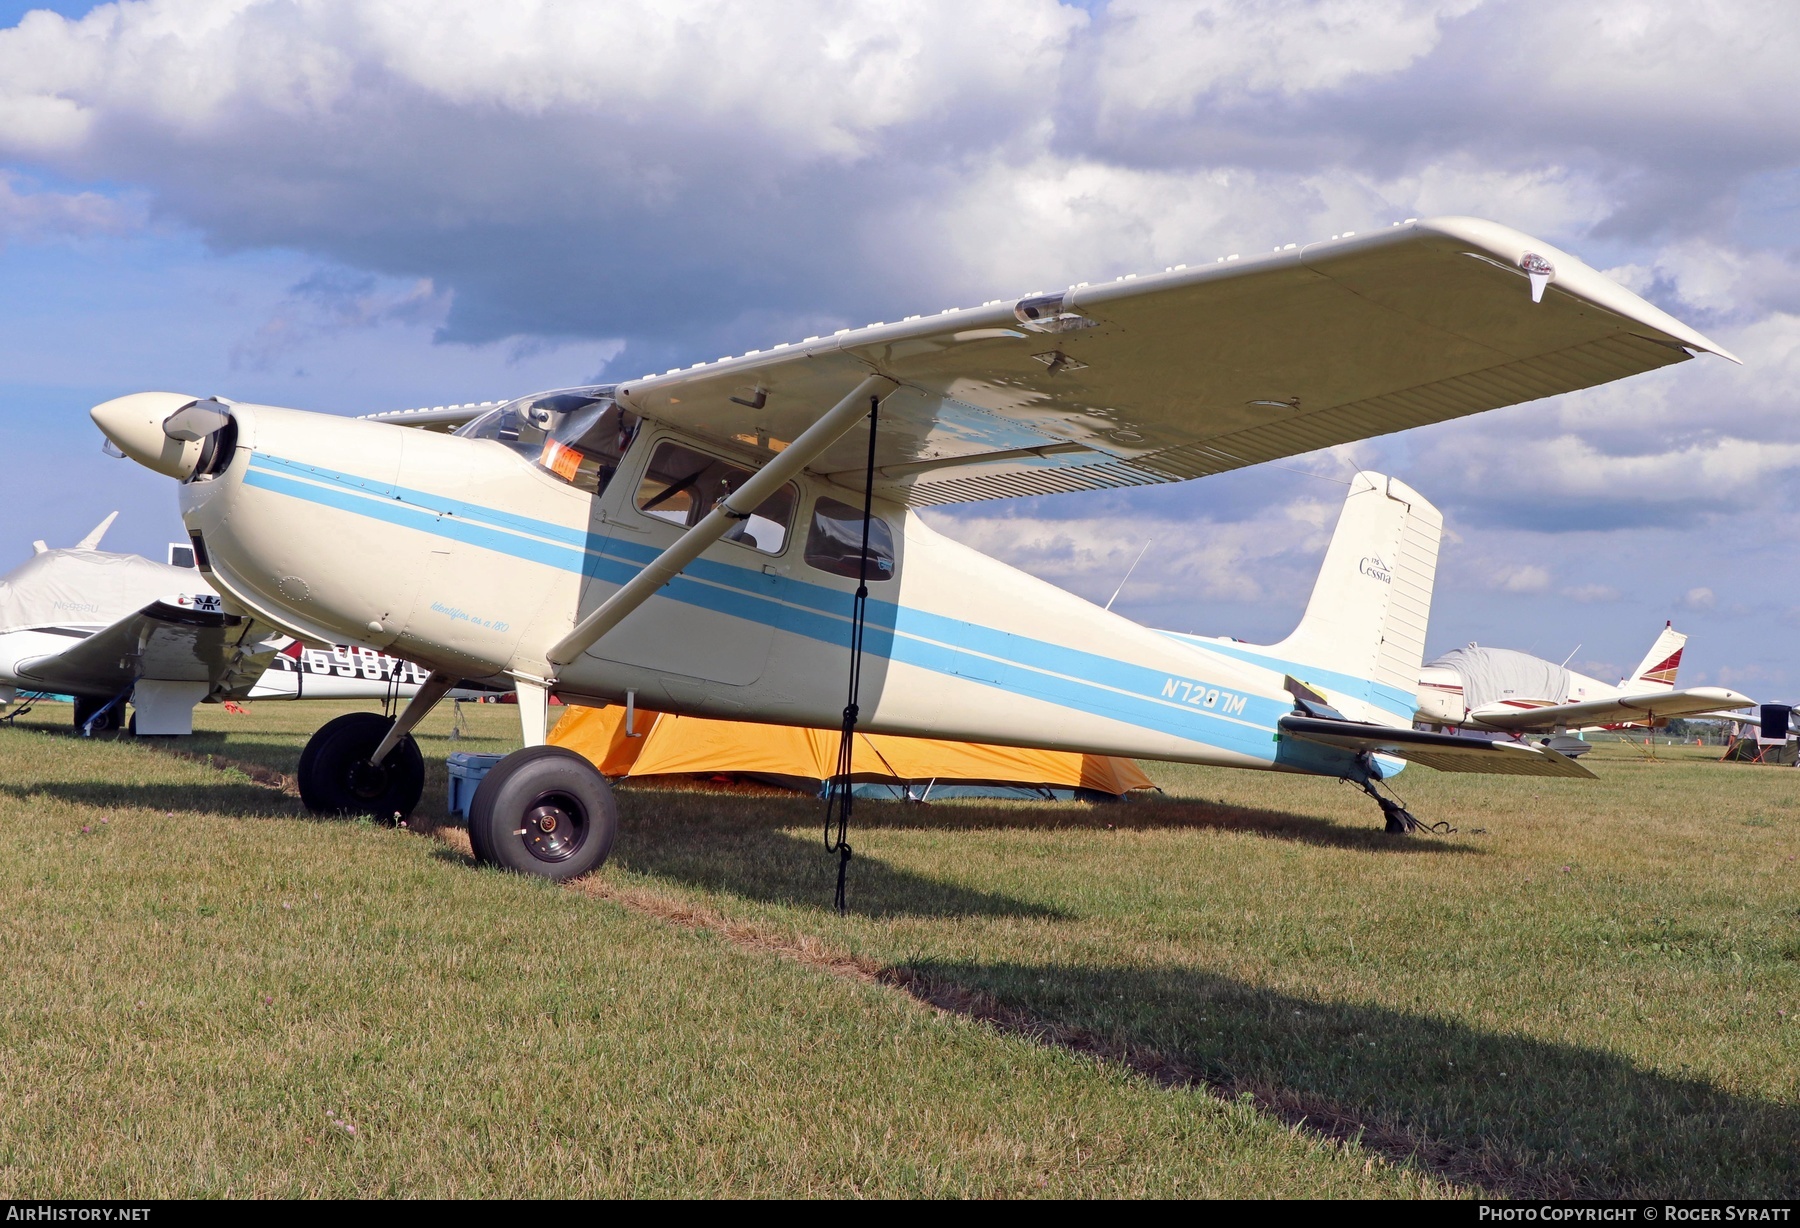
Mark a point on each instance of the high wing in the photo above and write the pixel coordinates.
(1443, 751)
(440, 418)
(1194, 370)
(164, 641)
(1650, 705)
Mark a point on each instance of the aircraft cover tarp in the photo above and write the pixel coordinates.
(86, 588)
(1496, 675)
(685, 745)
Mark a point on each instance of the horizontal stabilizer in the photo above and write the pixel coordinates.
(1442, 751)
(1623, 709)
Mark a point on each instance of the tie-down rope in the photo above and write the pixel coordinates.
(838, 797)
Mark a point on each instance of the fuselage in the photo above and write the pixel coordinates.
(463, 555)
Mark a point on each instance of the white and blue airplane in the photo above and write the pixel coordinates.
(695, 539)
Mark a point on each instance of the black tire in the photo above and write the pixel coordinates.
(336, 777)
(544, 811)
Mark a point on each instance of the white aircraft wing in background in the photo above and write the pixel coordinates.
(1619, 710)
(186, 640)
(1192, 371)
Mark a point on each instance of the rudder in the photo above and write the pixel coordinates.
(1658, 667)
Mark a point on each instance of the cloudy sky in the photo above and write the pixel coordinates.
(354, 205)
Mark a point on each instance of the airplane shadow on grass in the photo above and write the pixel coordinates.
(230, 799)
(1163, 814)
(1509, 1114)
(1516, 1116)
(754, 852)
(725, 811)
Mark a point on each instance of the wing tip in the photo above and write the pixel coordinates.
(1572, 276)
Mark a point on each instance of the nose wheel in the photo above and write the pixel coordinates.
(337, 777)
(544, 811)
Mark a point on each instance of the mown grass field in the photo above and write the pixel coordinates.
(1242, 988)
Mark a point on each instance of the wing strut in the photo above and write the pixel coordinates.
(736, 506)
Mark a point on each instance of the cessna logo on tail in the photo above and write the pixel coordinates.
(1373, 566)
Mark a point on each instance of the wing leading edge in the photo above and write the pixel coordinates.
(1195, 370)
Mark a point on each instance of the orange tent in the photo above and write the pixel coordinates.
(666, 745)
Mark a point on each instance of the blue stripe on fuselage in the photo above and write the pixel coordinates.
(1387, 698)
(1069, 677)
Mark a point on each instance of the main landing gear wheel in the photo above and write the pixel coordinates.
(85, 709)
(336, 777)
(545, 811)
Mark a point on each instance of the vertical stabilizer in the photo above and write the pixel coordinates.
(1657, 670)
(1369, 607)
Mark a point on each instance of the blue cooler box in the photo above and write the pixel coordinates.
(466, 771)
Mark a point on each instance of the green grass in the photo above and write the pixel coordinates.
(1588, 987)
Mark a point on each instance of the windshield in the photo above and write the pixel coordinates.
(578, 434)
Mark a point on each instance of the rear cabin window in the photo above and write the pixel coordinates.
(834, 542)
(681, 486)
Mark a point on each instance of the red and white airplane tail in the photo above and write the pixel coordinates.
(1657, 670)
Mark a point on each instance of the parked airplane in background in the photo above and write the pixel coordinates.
(110, 629)
(736, 538)
(1499, 690)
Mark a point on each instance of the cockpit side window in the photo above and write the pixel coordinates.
(681, 486)
(834, 542)
(587, 445)
(511, 425)
(579, 434)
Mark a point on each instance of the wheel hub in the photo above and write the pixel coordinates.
(555, 827)
(367, 781)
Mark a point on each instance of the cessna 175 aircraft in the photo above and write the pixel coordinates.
(1497, 689)
(698, 537)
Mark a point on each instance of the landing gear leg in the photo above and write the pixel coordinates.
(99, 716)
(1400, 821)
